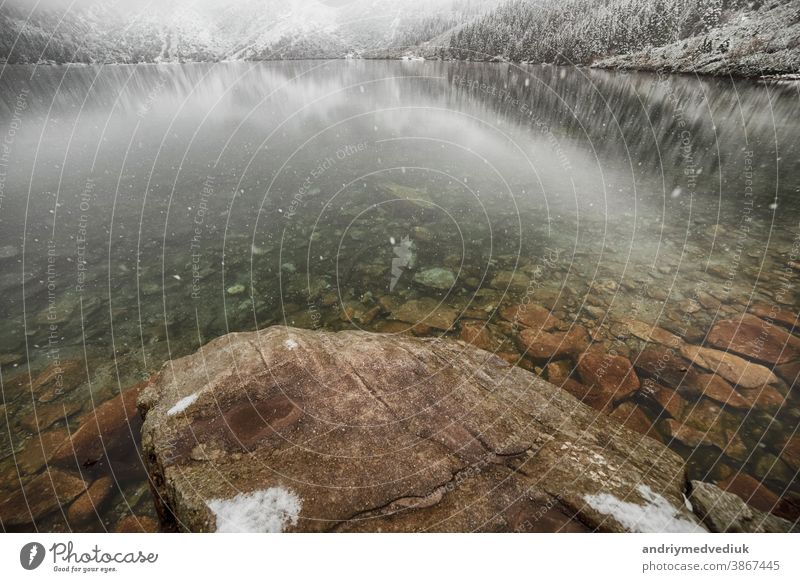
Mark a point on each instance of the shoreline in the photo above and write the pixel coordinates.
(615, 64)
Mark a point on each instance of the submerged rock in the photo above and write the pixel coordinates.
(436, 278)
(634, 418)
(669, 400)
(108, 431)
(663, 365)
(783, 317)
(764, 397)
(478, 335)
(704, 423)
(353, 431)
(39, 450)
(650, 333)
(611, 377)
(88, 506)
(542, 345)
(754, 493)
(531, 315)
(136, 524)
(55, 380)
(755, 339)
(426, 311)
(10, 359)
(8, 252)
(47, 415)
(510, 280)
(49, 491)
(714, 387)
(733, 368)
(790, 452)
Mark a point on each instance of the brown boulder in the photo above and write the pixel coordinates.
(708, 301)
(755, 339)
(512, 358)
(369, 315)
(767, 467)
(611, 377)
(352, 431)
(58, 379)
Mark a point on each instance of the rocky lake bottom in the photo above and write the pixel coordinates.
(676, 353)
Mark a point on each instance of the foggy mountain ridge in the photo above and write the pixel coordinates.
(538, 31)
(211, 30)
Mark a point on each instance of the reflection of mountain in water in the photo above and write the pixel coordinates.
(661, 126)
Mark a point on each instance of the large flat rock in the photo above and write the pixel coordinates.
(296, 430)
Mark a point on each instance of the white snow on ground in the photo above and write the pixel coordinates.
(182, 404)
(264, 511)
(657, 515)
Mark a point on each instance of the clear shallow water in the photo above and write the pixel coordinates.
(148, 209)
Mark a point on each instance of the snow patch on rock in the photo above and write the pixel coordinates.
(263, 511)
(182, 404)
(657, 515)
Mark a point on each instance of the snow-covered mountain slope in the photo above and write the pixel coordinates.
(757, 43)
(178, 30)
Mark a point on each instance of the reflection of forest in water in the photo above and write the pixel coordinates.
(169, 205)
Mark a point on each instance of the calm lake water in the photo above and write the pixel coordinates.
(147, 209)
